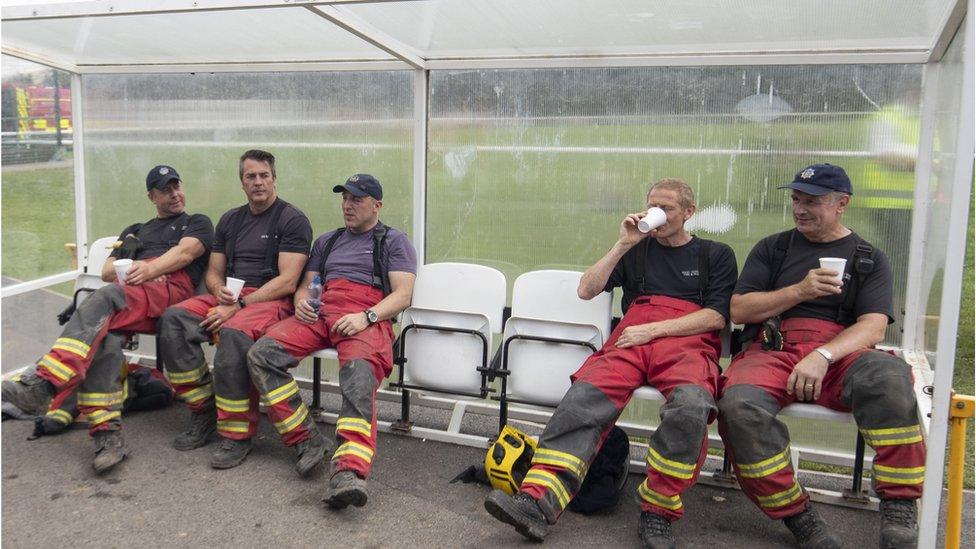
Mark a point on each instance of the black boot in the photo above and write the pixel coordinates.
(109, 450)
(230, 453)
(311, 453)
(899, 524)
(655, 531)
(201, 426)
(345, 489)
(811, 531)
(521, 511)
(30, 393)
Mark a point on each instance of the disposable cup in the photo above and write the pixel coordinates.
(655, 218)
(834, 264)
(121, 268)
(235, 285)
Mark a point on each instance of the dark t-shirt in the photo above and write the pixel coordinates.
(295, 236)
(352, 255)
(159, 235)
(673, 272)
(874, 292)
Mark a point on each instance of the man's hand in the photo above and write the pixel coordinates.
(139, 272)
(639, 334)
(351, 324)
(807, 377)
(305, 313)
(218, 316)
(629, 233)
(818, 283)
(225, 296)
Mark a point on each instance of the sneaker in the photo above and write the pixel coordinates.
(30, 393)
(345, 489)
(230, 453)
(201, 426)
(899, 523)
(311, 453)
(521, 511)
(109, 450)
(811, 531)
(655, 531)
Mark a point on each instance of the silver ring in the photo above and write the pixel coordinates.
(809, 385)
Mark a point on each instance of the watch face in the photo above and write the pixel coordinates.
(371, 316)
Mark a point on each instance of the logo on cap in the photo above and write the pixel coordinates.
(807, 173)
(163, 171)
(354, 179)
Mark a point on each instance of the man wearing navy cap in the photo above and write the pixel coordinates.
(815, 344)
(169, 254)
(367, 271)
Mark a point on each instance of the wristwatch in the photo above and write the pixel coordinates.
(826, 354)
(371, 316)
(240, 302)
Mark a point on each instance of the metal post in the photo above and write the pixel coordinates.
(420, 127)
(963, 408)
(57, 109)
(316, 384)
(78, 151)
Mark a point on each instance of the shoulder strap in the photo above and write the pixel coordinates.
(235, 221)
(783, 242)
(381, 273)
(642, 265)
(704, 261)
(860, 266)
(270, 269)
(328, 249)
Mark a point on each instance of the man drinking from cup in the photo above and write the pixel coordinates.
(819, 322)
(265, 243)
(166, 257)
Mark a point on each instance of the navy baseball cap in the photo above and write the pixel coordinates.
(361, 184)
(160, 176)
(820, 179)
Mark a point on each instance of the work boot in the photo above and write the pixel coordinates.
(201, 426)
(109, 450)
(31, 393)
(655, 531)
(311, 453)
(521, 511)
(345, 489)
(230, 453)
(899, 523)
(811, 531)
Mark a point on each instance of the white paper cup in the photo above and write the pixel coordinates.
(834, 264)
(121, 268)
(235, 285)
(655, 218)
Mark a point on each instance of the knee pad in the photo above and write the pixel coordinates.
(356, 383)
(692, 403)
(268, 353)
(879, 388)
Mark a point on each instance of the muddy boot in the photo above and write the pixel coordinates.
(311, 453)
(30, 393)
(345, 489)
(109, 450)
(521, 511)
(899, 523)
(811, 531)
(230, 453)
(655, 531)
(201, 426)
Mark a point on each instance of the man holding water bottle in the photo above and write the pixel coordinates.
(357, 279)
(820, 298)
(263, 243)
(676, 290)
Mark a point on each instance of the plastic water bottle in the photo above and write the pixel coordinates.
(315, 293)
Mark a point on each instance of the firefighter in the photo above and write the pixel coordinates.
(676, 298)
(821, 352)
(169, 259)
(368, 272)
(265, 242)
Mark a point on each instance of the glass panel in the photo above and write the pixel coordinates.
(38, 177)
(29, 326)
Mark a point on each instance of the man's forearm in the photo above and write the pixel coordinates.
(755, 307)
(173, 260)
(391, 305)
(595, 278)
(863, 334)
(698, 322)
(276, 288)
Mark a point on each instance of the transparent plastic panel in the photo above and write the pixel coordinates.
(30, 326)
(535, 169)
(259, 35)
(322, 128)
(38, 175)
(471, 28)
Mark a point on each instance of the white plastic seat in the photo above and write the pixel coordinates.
(816, 411)
(91, 279)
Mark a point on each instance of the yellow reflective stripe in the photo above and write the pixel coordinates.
(100, 399)
(654, 497)
(229, 405)
(281, 393)
(101, 416)
(73, 346)
(232, 426)
(355, 449)
(293, 420)
(893, 436)
(60, 416)
(182, 378)
(899, 475)
(562, 460)
(548, 480)
(56, 367)
(765, 467)
(356, 425)
(781, 499)
(669, 467)
(125, 389)
(198, 394)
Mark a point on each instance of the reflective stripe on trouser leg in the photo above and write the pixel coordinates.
(180, 338)
(268, 364)
(100, 395)
(676, 450)
(237, 400)
(879, 389)
(356, 427)
(567, 447)
(758, 445)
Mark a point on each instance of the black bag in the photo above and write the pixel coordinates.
(604, 483)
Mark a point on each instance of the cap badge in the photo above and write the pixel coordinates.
(807, 173)
(163, 171)
(354, 179)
